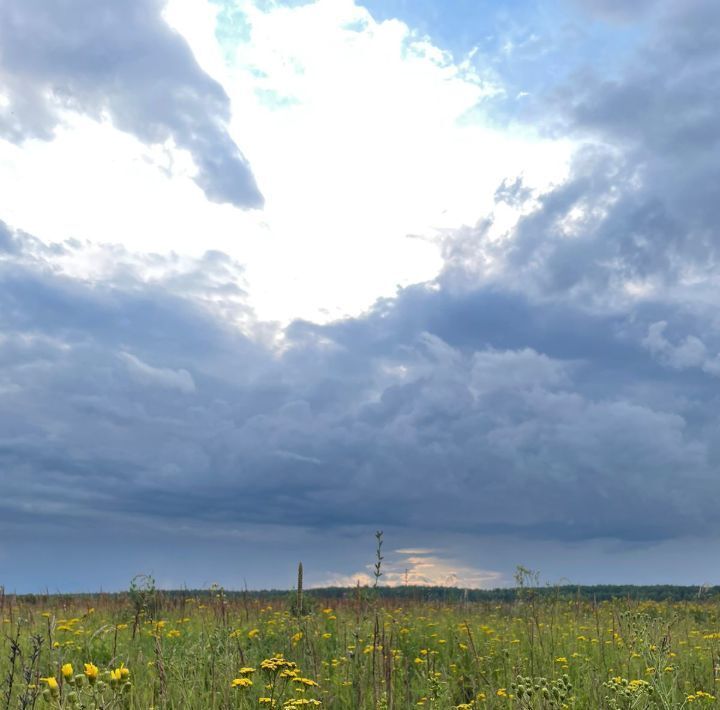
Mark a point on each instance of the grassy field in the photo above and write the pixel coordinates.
(147, 649)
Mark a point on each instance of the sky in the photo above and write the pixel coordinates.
(275, 275)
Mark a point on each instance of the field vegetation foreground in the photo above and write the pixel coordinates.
(153, 650)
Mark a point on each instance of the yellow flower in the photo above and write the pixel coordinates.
(51, 682)
(241, 683)
(246, 671)
(67, 671)
(91, 671)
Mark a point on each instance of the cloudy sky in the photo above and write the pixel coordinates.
(277, 274)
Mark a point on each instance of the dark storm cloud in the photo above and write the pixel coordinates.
(562, 383)
(119, 58)
(474, 411)
(640, 206)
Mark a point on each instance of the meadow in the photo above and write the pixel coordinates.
(359, 649)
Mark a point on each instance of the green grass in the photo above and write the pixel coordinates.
(363, 651)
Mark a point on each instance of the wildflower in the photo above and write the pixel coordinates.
(241, 683)
(52, 691)
(67, 671)
(91, 671)
(51, 683)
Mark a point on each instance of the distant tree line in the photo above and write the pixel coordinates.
(598, 592)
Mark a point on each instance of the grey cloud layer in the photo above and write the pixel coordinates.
(478, 411)
(98, 56)
(559, 384)
(640, 208)
(617, 9)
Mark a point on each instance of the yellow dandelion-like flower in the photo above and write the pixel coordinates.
(91, 671)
